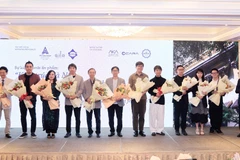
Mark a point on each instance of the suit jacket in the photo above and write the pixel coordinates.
(184, 98)
(120, 81)
(6, 82)
(79, 89)
(87, 91)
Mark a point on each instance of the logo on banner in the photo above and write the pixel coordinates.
(59, 55)
(129, 53)
(146, 53)
(113, 53)
(45, 54)
(72, 54)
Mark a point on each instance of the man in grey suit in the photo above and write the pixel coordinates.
(7, 111)
(69, 107)
(113, 83)
(87, 92)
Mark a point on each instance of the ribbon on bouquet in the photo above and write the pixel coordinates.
(23, 97)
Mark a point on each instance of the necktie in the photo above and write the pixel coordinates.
(2, 82)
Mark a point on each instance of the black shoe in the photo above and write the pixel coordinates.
(49, 136)
(98, 135)
(23, 135)
(211, 130)
(219, 131)
(177, 133)
(78, 135)
(161, 134)
(67, 135)
(135, 134)
(8, 136)
(53, 136)
(119, 134)
(238, 135)
(33, 135)
(184, 133)
(89, 135)
(153, 134)
(111, 134)
(141, 133)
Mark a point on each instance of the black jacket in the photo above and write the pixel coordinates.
(238, 87)
(184, 98)
(194, 89)
(210, 93)
(159, 81)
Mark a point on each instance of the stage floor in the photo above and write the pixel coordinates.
(166, 147)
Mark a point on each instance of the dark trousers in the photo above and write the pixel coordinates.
(97, 114)
(118, 109)
(138, 111)
(32, 111)
(77, 111)
(180, 111)
(216, 114)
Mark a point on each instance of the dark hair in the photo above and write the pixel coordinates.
(91, 69)
(178, 66)
(28, 62)
(139, 63)
(47, 76)
(114, 67)
(72, 65)
(4, 68)
(157, 67)
(200, 70)
(214, 69)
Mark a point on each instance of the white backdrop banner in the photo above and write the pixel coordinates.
(98, 54)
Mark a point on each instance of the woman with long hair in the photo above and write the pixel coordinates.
(50, 118)
(199, 114)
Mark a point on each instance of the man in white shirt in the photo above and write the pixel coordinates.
(7, 110)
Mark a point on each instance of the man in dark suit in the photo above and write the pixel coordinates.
(117, 107)
(181, 106)
(215, 112)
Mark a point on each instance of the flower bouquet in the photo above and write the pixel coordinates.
(43, 88)
(101, 91)
(224, 86)
(168, 87)
(203, 87)
(236, 156)
(5, 101)
(142, 85)
(18, 89)
(188, 83)
(68, 86)
(89, 105)
(121, 92)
